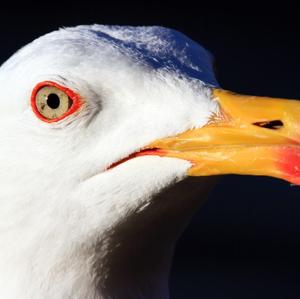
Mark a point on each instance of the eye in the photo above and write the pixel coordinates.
(52, 102)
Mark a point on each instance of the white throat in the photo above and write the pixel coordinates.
(131, 261)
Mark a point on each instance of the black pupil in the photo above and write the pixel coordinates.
(53, 100)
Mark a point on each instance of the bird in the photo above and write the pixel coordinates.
(110, 139)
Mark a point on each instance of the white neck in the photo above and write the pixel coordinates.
(132, 261)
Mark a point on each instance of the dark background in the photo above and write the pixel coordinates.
(244, 243)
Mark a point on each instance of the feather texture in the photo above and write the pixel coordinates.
(62, 215)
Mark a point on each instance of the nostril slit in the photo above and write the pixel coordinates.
(273, 124)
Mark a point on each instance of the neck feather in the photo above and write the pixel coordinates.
(131, 260)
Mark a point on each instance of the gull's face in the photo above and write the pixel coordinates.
(69, 111)
(72, 111)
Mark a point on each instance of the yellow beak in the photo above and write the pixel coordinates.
(251, 135)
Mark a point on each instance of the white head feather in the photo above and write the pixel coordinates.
(61, 213)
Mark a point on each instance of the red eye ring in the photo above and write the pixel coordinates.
(75, 98)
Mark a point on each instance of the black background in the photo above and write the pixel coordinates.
(244, 243)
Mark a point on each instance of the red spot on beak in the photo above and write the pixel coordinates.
(289, 163)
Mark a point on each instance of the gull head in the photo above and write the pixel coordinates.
(98, 125)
